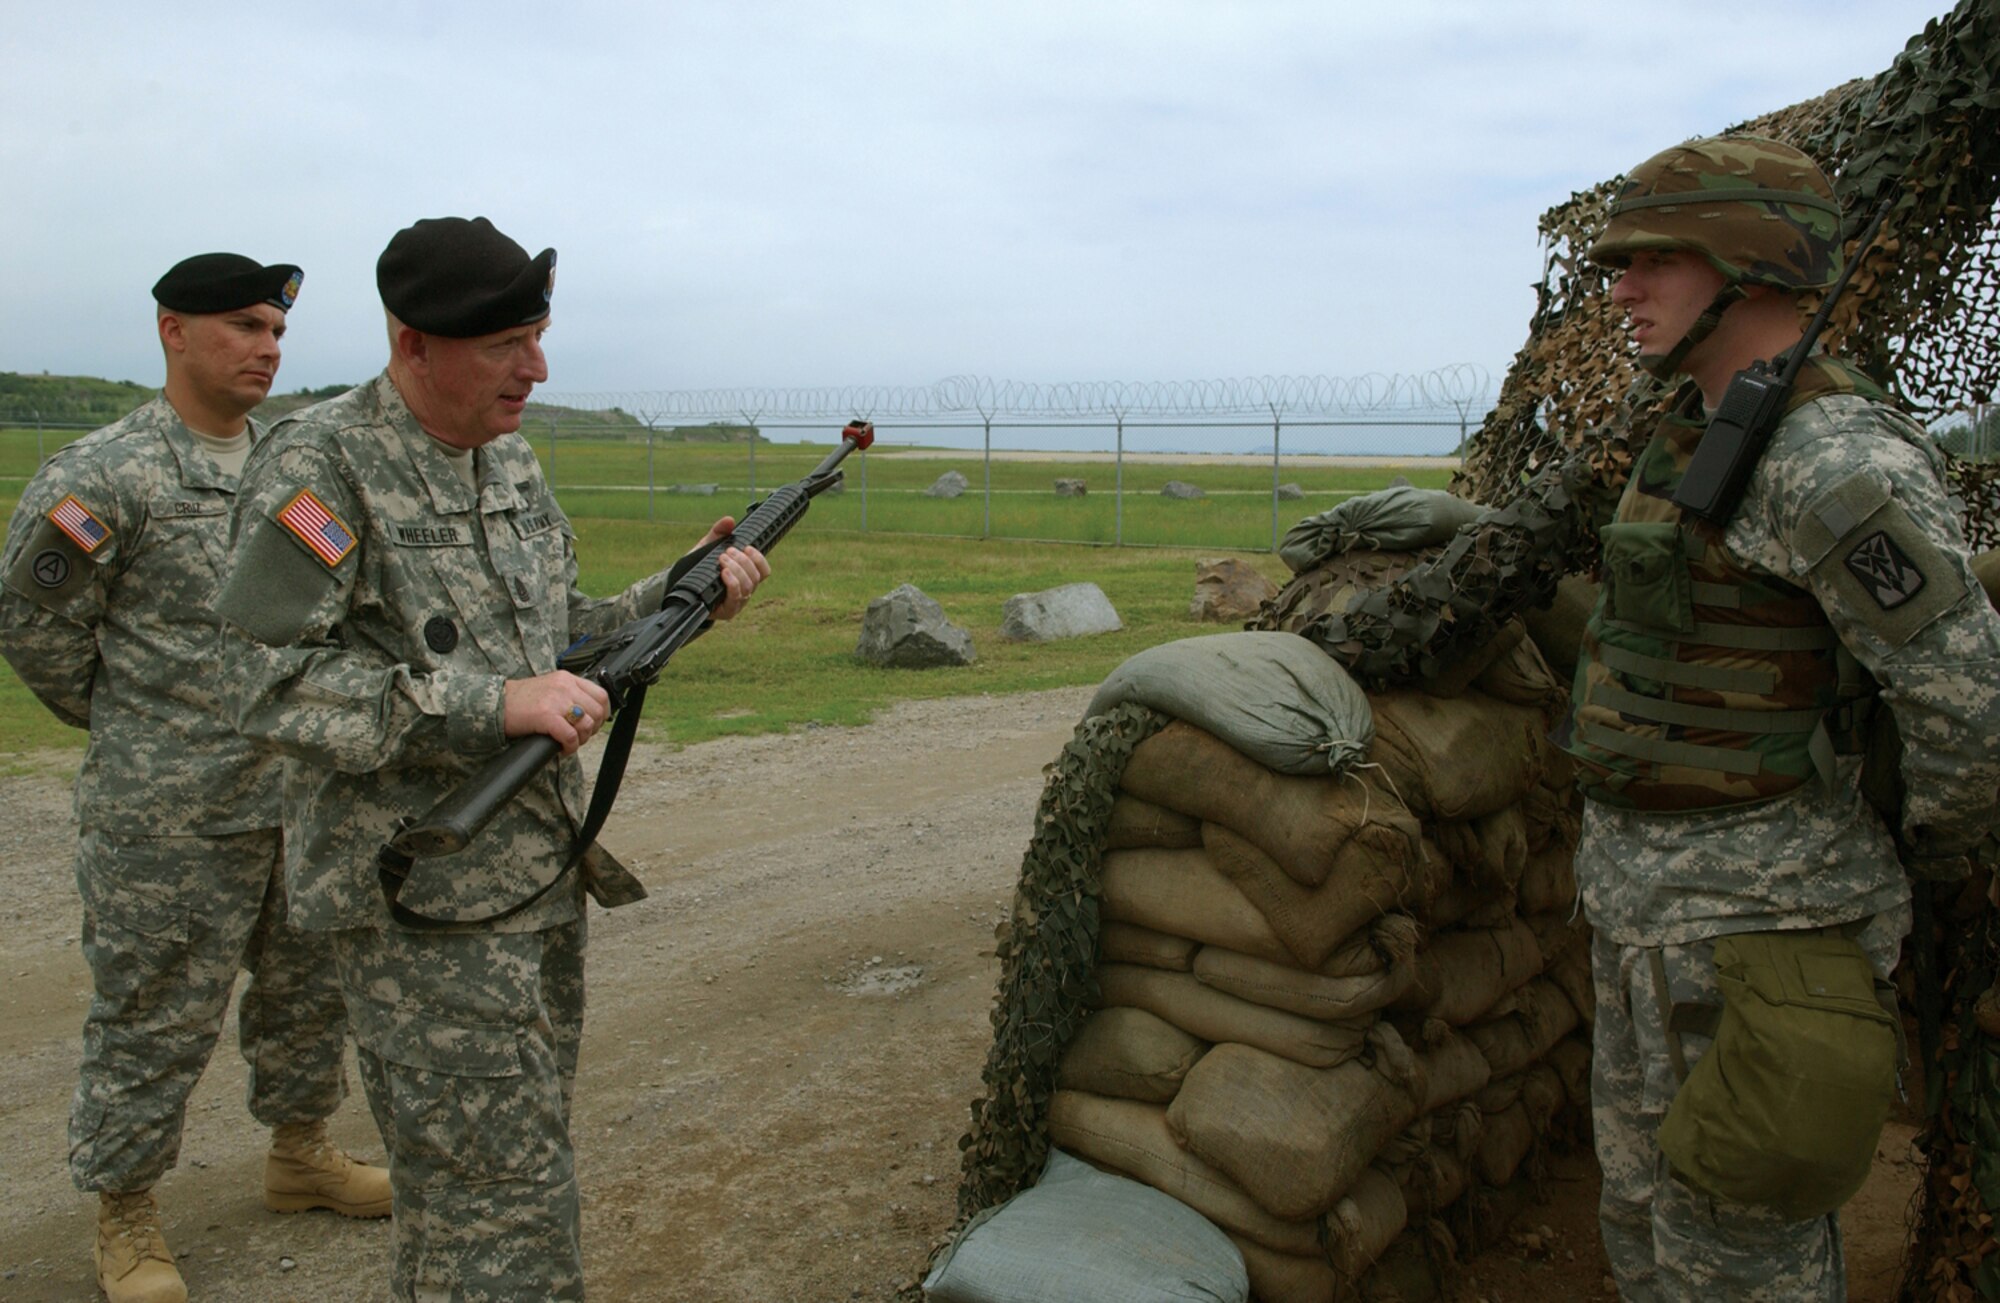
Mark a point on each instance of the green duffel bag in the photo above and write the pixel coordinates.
(1786, 1107)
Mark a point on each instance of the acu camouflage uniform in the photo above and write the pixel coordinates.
(1845, 550)
(374, 627)
(110, 574)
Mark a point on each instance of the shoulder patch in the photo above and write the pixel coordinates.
(75, 520)
(318, 528)
(1886, 572)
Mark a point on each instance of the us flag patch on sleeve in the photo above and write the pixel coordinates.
(319, 529)
(74, 519)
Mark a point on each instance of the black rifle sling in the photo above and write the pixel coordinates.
(394, 868)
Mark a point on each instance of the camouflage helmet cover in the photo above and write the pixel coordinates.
(1760, 211)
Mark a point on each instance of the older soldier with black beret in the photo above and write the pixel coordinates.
(110, 575)
(403, 586)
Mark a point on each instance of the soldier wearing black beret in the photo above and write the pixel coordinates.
(403, 586)
(111, 571)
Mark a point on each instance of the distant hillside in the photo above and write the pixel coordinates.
(87, 400)
(62, 399)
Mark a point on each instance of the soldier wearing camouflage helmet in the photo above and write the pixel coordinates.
(1728, 852)
(107, 588)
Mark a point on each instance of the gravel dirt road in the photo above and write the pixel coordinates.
(782, 1040)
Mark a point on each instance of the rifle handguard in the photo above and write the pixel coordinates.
(627, 658)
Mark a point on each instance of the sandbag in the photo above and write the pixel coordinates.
(1454, 902)
(1453, 1069)
(1461, 758)
(1301, 823)
(1079, 1233)
(1430, 1185)
(1508, 1137)
(1462, 974)
(1132, 1138)
(1571, 1060)
(1490, 851)
(1398, 519)
(1513, 1041)
(1273, 696)
(1548, 880)
(1297, 990)
(1128, 943)
(1572, 973)
(1365, 1222)
(1286, 1277)
(1522, 677)
(1542, 1094)
(1133, 822)
(1183, 894)
(1456, 1130)
(1558, 629)
(1559, 932)
(1371, 875)
(1416, 1269)
(1216, 1016)
(1294, 1138)
(1128, 1054)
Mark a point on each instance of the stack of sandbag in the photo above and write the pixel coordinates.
(1331, 1000)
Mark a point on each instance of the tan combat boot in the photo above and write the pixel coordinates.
(305, 1170)
(133, 1264)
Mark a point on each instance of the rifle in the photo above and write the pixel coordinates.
(624, 663)
(1744, 420)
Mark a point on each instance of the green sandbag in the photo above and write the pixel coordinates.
(1400, 519)
(1085, 1234)
(1275, 697)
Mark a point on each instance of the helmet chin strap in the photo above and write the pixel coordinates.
(1666, 366)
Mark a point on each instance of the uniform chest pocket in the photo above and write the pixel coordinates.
(184, 544)
(1646, 575)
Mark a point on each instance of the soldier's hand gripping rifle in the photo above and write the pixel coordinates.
(623, 662)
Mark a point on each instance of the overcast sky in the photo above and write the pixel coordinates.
(779, 194)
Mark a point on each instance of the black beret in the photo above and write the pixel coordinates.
(458, 278)
(224, 282)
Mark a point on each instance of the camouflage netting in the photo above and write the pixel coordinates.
(1922, 314)
(1047, 951)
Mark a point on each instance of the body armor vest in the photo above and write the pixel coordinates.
(1702, 683)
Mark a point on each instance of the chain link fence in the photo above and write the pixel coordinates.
(1232, 483)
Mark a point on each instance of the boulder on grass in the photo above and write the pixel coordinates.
(1071, 611)
(1071, 488)
(1181, 489)
(948, 485)
(905, 629)
(1291, 493)
(1226, 588)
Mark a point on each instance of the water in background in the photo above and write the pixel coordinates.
(1240, 437)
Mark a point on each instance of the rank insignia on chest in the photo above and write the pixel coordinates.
(74, 519)
(318, 528)
(1889, 576)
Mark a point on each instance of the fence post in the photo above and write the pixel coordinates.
(39, 457)
(1118, 487)
(1276, 434)
(753, 463)
(552, 454)
(864, 490)
(986, 530)
(649, 470)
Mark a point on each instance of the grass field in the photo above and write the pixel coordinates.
(789, 660)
